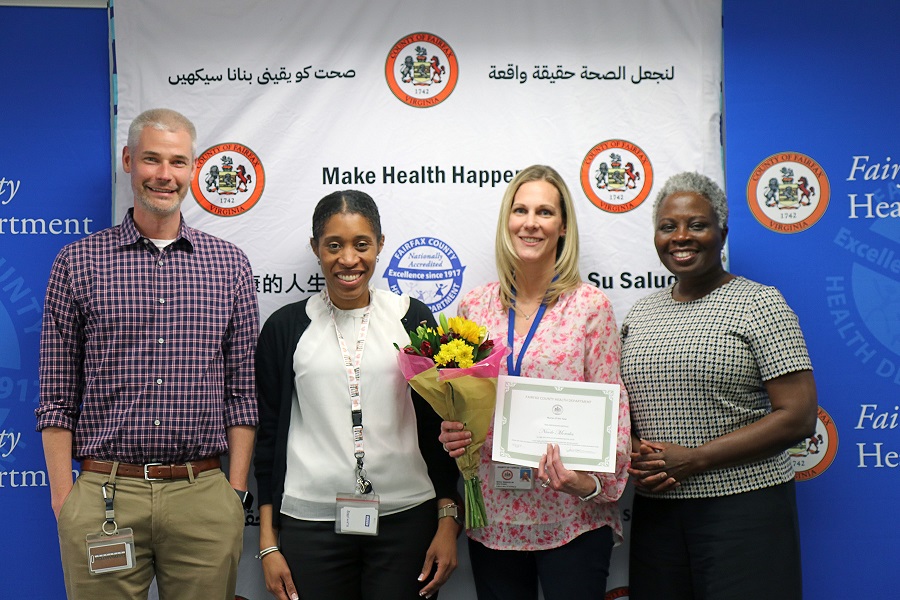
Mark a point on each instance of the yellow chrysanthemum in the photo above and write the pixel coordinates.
(455, 351)
(466, 329)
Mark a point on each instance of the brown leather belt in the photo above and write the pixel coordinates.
(152, 471)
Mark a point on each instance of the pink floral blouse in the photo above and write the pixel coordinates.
(577, 340)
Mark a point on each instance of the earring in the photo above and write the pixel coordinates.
(377, 258)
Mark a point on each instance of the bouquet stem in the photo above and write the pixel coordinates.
(475, 512)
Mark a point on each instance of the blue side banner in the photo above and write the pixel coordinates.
(814, 189)
(55, 188)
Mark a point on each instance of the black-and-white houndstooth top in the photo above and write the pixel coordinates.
(695, 371)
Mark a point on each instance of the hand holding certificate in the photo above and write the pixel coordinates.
(581, 417)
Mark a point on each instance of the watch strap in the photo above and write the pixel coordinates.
(246, 498)
(449, 510)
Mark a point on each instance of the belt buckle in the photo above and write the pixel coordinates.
(147, 475)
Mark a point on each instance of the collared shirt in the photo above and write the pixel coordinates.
(148, 354)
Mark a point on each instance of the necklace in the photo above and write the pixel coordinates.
(541, 302)
(525, 315)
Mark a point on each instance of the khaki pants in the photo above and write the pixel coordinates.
(189, 534)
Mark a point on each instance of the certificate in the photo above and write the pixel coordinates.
(581, 417)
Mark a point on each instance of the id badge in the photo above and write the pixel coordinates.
(512, 477)
(356, 514)
(108, 553)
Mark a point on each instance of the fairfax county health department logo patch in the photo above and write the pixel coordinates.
(421, 70)
(229, 179)
(813, 456)
(788, 192)
(616, 176)
(426, 269)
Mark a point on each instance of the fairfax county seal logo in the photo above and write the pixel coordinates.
(616, 176)
(426, 269)
(814, 455)
(421, 70)
(788, 192)
(616, 593)
(229, 180)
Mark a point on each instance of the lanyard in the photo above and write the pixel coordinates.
(515, 369)
(363, 485)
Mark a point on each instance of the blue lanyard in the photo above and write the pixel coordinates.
(510, 335)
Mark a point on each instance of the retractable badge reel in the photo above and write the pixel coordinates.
(357, 511)
(112, 549)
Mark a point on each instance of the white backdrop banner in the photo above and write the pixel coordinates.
(431, 110)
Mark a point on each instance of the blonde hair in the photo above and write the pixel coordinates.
(566, 266)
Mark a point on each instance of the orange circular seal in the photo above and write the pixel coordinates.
(616, 176)
(229, 179)
(421, 70)
(813, 456)
(616, 594)
(788, 192)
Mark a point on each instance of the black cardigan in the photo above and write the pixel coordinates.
(275, 381)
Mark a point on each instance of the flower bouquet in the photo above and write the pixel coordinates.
(455, 367)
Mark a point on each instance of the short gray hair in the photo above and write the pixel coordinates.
(162, 119)
(698, 184)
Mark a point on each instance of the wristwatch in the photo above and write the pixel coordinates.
(450, 510)
(246, 498)
(597, 489)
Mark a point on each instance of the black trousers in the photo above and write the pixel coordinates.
(739, 547)
(577, 570)
(329, 566)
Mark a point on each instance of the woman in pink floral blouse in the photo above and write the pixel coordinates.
(556, 526)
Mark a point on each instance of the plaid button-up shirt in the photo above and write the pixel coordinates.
(148, 355)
